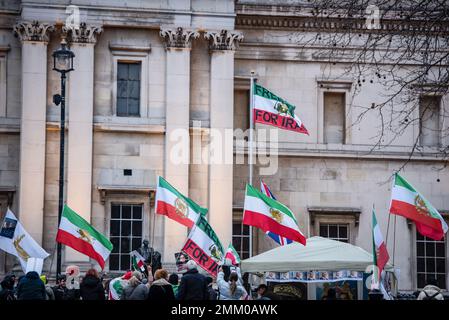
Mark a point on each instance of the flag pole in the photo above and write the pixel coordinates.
(250, 150)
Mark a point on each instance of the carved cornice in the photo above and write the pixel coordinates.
(33, 31)
(285, 20)
(83, 34)
(178, 38)
(223, 40)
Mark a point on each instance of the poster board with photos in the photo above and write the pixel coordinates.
(314, 276)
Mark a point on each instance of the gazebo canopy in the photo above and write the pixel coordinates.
(320, 254)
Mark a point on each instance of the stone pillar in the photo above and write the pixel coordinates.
(80, 125)
(34, 37)
(222, 45)
(177, 95)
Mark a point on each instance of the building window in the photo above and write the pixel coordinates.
(334, 117)
(240, 239)
(429, 125)
(339, 232)
(431, 261)
(128, 88)
(125, 234)
(241, 108)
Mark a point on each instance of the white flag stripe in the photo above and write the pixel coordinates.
(69, 227)
(265, 104)
(169, 197)
(257, 205)
(378, 239)
(403, 194)
(201, 239)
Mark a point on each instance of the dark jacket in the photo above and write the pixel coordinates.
(7, 289)
(212, 293)
(31, 287)
(161, 290)
(91, 288)
(193, 286)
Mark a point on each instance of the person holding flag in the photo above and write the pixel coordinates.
(277, 238)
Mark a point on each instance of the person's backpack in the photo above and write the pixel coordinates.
(430, 297)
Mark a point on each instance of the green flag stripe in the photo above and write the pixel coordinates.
(164, 184)
(399, 181)
(263, 92)
(207, 229)
(253, 192)
(77, 220)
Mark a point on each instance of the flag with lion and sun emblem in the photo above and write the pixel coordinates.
(406, 201)
(78, 234)
(274, 111)
(15, 240)
(204, 247)
(268, 214)
(173, 204)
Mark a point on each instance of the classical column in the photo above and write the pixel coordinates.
(177, 144)
(34, 37)
(80, 115)
(222, 46)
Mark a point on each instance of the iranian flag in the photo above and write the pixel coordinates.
(138, 262)
(204, 247)
(171, 203)
(272, 110)
(270, 215)
(380, 253)
(232, 255)
(406, 201)
(78, 234)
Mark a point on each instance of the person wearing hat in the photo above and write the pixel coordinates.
(135, 290)
(48, 289)
(193, 284)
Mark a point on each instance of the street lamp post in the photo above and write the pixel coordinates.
(62, 63)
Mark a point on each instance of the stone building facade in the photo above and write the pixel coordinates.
(146, 70)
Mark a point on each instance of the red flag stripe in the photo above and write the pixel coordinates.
(79, 245)
(273, 119)
(265, 223)
(409, 211)
(170, 211)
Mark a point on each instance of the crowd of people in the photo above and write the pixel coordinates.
(158, 285)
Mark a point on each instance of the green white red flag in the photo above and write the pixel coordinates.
(232, 255)
(270, 215)
(406, 201)
(204, 247)
(138, 262)
(272, 110)
(380, 253)
(173, 204)
(78, 234)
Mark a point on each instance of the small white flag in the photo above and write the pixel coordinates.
(35, 264)
(15, 240)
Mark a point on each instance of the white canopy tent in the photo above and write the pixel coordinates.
(320, 254)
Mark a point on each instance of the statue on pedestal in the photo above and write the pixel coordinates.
(151, 256)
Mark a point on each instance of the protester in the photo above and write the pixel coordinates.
(193, 284)
(48, 290)
(7, 288)
(161, 289)
(174, 281)
(431, 291)
(62, 292)
(262, 292)
(135, 289)
(31, 287)
(91, 287)
(232, 289)
(212, 293)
